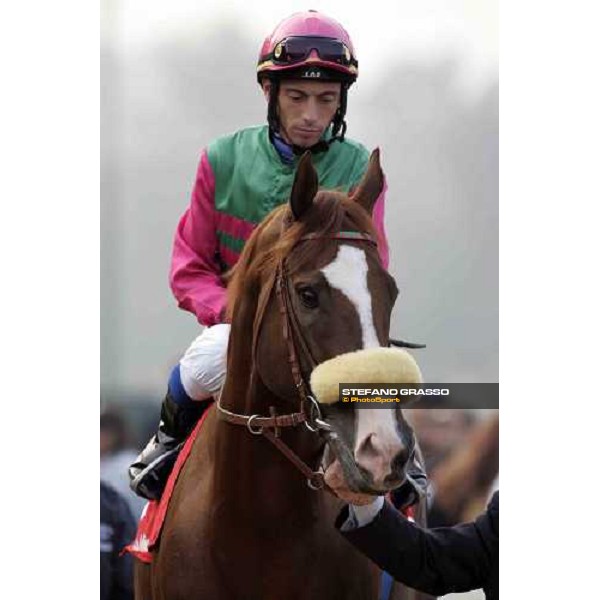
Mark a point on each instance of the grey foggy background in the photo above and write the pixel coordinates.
(162, 102)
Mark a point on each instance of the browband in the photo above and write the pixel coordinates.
(341, 235)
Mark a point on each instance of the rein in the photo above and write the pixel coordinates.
(309, 413)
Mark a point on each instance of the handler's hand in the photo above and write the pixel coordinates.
(334, 478)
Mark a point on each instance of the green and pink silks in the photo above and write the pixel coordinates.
(240, 179)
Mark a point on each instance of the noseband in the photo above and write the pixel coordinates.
(309, 412)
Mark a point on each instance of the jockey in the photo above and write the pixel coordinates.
(305, 68)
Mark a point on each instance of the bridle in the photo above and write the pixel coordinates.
(309, 412)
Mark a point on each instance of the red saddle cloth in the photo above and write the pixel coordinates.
(153, 516)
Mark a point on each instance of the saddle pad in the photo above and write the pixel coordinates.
(153, 515)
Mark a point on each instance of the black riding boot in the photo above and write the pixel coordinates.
(151, 469)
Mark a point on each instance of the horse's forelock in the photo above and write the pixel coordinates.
(332, 212)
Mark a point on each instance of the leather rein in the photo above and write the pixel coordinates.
(309, 412)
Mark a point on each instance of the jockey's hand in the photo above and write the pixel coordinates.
(334, 478)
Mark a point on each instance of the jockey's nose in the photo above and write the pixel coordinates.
(310, 114)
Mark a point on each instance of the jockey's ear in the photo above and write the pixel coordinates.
(371, 185)
(305, 187)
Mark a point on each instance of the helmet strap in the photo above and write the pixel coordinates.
(272, 110)
(338, 130)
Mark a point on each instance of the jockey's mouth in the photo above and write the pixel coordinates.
(307, 133)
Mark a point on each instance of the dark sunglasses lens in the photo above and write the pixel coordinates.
(297, 49)
(332, 51)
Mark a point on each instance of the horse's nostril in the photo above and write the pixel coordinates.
(379, 449)
(400, 460)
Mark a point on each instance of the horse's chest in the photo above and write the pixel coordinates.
(296, 568)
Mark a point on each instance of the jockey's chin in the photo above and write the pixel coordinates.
(305, 138)
(301, 136)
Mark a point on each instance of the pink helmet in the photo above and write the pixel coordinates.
(312, 46)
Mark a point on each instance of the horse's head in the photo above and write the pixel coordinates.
(310, 286)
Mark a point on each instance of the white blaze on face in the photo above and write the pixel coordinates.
(377, 440)
(348, 274)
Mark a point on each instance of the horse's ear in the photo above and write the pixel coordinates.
(371, 185)
(305, 187)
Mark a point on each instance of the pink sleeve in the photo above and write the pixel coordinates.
(195, 276)
(378, 220)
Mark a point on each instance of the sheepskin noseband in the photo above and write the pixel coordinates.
(373, 365)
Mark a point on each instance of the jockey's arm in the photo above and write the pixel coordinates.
(195, 275)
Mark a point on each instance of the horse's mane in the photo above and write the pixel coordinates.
(275, 237)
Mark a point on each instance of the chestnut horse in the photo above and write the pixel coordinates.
(242, 523)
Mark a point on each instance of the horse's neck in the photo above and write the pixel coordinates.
(251, 475)
(250, 471)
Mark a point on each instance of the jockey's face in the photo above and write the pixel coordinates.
(306, 109)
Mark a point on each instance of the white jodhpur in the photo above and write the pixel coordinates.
(204, 363)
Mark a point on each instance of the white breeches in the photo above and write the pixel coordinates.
(203, 365)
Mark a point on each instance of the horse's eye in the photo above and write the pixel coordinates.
(308, 297)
